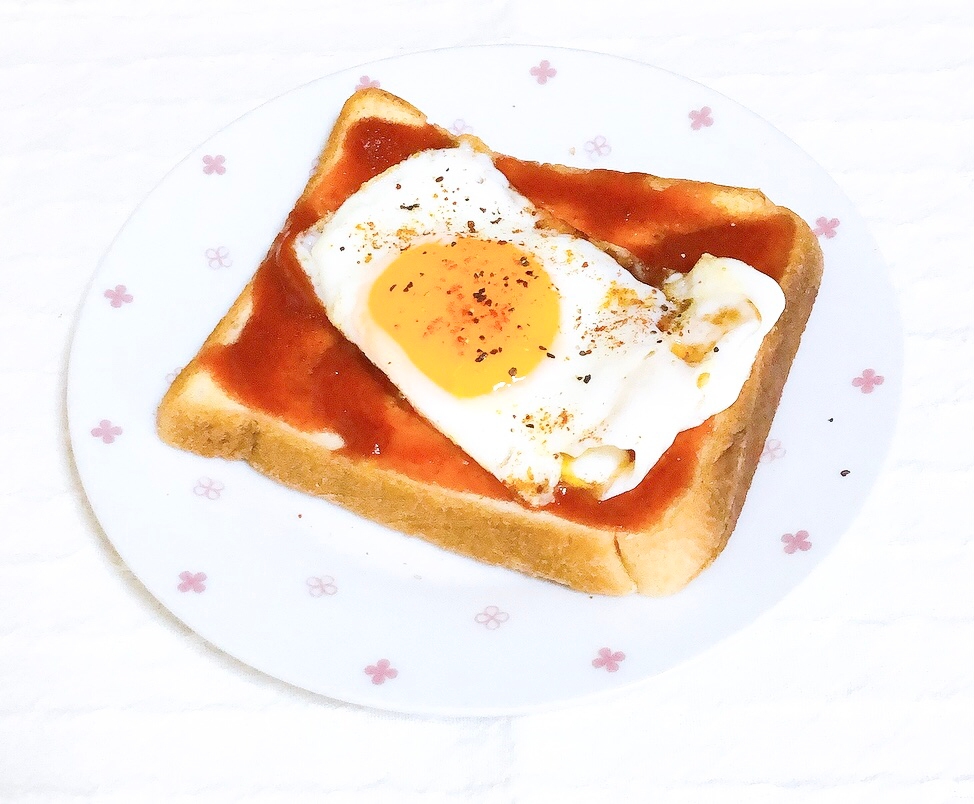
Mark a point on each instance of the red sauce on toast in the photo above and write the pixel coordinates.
(291, 362)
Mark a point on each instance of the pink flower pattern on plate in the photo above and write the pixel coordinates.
(381, 670)
(868, 380)
(119, 295)
(218, 257)
(324, 585)
(106, 431)
(701, 118)
(492, 618)
(608, 659)
(214, 164)
(598, 147)
(364, 82)
(773, 450)
(460, 126)
(208, 487)
(796, 541)
(544, 71)
(192, 581)
(825, 227)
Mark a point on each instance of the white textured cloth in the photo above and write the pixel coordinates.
(857, 687)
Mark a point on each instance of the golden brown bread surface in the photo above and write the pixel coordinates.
(657, 557)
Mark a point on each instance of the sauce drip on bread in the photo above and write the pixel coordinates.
(291, 362)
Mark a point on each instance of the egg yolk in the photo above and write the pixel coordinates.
(473, 315)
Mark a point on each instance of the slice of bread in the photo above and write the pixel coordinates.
(276, 385)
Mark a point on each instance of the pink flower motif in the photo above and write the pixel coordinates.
(460, 126)
(118, 296)
(608, 659)
(544, 71)
(106, 431)
(796, 541)
(365, 82)
(209, 488)
(773, 450)
(218, 257)
(381, 670)
(192, 582)
(701, 118)
(868, 380)
(598, 147)
(825, 227)
(492, 617)
(214, 164)
(325, 585)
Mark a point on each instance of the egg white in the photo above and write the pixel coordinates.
(614, 387)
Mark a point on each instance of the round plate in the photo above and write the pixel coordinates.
(317, 597)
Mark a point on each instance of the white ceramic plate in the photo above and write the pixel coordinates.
(312, 595)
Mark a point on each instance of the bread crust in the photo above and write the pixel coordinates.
(198, 415)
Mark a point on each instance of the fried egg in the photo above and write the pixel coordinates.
(532, 349)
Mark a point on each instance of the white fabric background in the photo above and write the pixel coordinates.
(858, 687)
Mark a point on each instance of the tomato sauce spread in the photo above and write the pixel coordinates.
(291, 362)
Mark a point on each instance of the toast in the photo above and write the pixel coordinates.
(259, 389)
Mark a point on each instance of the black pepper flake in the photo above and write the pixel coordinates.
(525, 263)
(497, 220)
(549, 354)
(439, 178)
(586, 378)
(500, 242)
(398, 186)
(831, 419)
(407, 288)
(585, 264)
(844, 473)
(585, 352)
(512, 371)
(480, 295)
(716, 348)
(660, 340)
(392, 288)
(471, 227)
(453, 243)
(341, 248)
(483, 209)
(410, 207)
(481, 356)
(529, 425)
